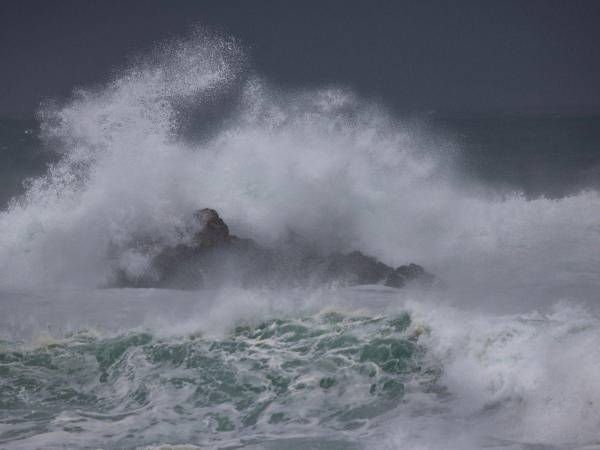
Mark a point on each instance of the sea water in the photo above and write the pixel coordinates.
(503, 352)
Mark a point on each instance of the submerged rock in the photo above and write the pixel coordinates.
(214, 256)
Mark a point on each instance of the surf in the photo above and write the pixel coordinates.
(491, 351)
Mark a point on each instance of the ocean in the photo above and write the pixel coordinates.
(503, 351)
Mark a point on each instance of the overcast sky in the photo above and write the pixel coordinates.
(419, 55)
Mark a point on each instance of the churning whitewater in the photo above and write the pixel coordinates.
(501, 352)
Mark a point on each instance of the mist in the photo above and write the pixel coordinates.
(502, 347)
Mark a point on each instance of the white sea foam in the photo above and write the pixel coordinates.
(338, 171)
(514, 381)
(341, 173)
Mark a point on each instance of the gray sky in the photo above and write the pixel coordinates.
(478, 55)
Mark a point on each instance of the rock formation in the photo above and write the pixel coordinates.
(214, 257)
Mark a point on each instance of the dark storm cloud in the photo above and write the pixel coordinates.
(414, 55)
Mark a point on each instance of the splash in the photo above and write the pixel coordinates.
(294, 374)
(411, 375)
(139, 154)
(192, 126)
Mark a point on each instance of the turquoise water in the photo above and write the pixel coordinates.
(330, 376)
(372, 370)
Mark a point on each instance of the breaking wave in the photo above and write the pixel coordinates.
(192, 126)
(412, 375)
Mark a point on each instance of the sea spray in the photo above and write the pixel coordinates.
(336, 172)
(390, 373)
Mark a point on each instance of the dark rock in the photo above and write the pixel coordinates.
(395, 279)
(404, 274)
(215, 257)
(213, 230)
(179, 266)
(357, 268)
